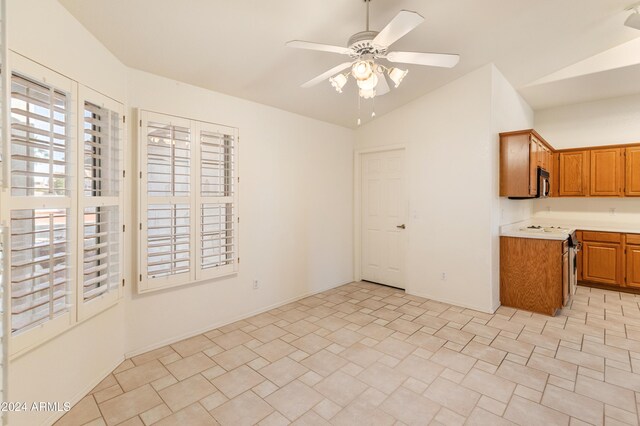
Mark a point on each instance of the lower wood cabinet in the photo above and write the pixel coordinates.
(609, 258)
(633, 266)
(601, 262)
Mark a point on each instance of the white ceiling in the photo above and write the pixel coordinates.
(237, 47)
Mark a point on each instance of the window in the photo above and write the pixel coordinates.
(40, 204)
(64, 204)
(101, 251)
(188, 210)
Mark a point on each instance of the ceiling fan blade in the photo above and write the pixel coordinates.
(333, 71)
(403, 22)
(382, 88)
(299, 44)
(444, 60)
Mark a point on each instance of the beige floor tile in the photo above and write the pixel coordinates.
(419, 368)
(340, 388)
(327, 409)
(481, 330)
(311, 343)
(262, 319)
(302, 327)
(480, 417)
(134, 421)
(232, 339)
(457, 336)
(361, 355)
(268, 333)
(453, 360)
(235, 357)
(214, 400)
(245, 409)
(324, 362)
(187, 367)
(360, 318)
(154, 354)
(283, 371)
(141, 375)
(362, 412)
(607, 393)
(124, 365)
(528, 393)
(193, 415)
(527, 413)
(164, 382)
(489, 384)
(130, 404)
(491, 405)
(426, 341)
(274, 419)
(513, 346)
(453, 396)
(404, 326)
(486, 353)
(584, 359)
(155, 414)
(578, 406)
(556, 367)
(192, 345)
(539, 340)
(605, 351)
(83, 412)
(294, 399)
(187, 392)
(523, 375)
(382, 377)
(344, 337)
(237, 381)
(274, 350)
(395, 348)
(409, 407)
(622, 378)
(108, 393)
(107, 382)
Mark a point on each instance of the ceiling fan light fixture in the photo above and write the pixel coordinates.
(362, 70)
(368, 84)
(338, 82)
(396, 75)
(367, 93)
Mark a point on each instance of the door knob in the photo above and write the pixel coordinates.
(401, 226)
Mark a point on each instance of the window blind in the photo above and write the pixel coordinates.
(101, 151)
(101, 260)
(39, 140)
(40, 261)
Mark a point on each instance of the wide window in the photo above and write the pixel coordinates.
(63, 204)
(188, 210)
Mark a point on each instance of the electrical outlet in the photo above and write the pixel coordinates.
(255, 284)
(444, 276)
(612, 211)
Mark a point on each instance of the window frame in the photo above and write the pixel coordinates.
(102, 302)
(41, 333)
(194, 200)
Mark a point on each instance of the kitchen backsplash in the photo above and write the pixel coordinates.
(613, 210)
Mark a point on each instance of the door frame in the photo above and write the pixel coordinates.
(357, 207)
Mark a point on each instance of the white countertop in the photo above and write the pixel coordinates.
(514, 229)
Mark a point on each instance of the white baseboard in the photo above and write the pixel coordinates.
(222, 323)
(484, 309)
(56, 415)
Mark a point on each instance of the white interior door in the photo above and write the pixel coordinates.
(383, 233)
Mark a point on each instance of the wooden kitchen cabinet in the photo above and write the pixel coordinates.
(521, 153)
(632, 181)
(573, 173)
(606, 172)
(633, 261)
(533, 274)
(602, 258)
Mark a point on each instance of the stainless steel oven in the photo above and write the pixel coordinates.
(574, 247)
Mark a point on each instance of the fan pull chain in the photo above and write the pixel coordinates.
(359, 121)
(373, 107)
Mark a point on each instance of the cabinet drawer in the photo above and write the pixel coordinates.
(633, 239)
(605, 237)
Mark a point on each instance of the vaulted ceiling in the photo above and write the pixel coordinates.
(237, 47)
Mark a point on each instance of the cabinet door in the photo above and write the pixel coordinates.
(573, 173)
(633, 266)
(565, 278)
(602, 262)
(606, 177)
(534, 161)
(632, 186)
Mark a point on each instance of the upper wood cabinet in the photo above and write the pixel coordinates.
(573, 171)
(606, 172)
(632, 181)
(521, 153)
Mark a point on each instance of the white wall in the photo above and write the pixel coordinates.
(509, 112)
(67, 367)
(447, 134)
(296, 202)
(605, 122)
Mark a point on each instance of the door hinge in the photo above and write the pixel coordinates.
(140, 123)
(124, 173)
(238, 179)
(123, 227)
(238, 220)
(140, 175)
(123, 282)
(141, 226)
(238, 260)
(140, 277)
(124, 118)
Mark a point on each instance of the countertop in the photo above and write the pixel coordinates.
(513, 230)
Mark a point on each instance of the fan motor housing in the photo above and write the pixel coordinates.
(361, 44)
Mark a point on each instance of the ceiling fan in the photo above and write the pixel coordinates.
(366, 47)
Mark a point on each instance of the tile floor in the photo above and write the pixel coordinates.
(365, 354)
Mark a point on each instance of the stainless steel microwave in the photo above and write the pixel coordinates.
(544, 186)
